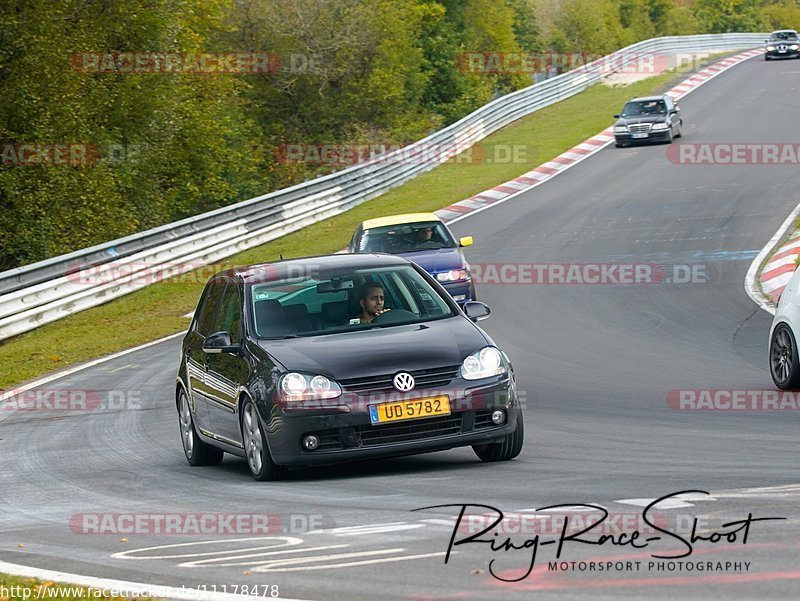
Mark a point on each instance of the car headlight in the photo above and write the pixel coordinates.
(794, 47)
(620, 129)
(484, 363)
(454, 275)
(660, 126)
(770, 48)
(303, 387)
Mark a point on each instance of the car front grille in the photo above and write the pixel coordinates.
(370, 436)
(423, 378)
(638, 128)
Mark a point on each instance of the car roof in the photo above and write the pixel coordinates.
(276, 270)
(783, 31)
(647, 98)
(399, 220)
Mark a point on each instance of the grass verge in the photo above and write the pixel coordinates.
(28, 589)
(158, 310)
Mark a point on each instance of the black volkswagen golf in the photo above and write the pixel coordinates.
(335, 358)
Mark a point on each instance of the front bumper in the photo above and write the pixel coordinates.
(661, 135)
(778, 54)
(345, 433)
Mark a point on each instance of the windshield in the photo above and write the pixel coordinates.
(408, 237)
(644, 107)
(783, 36)
(341, 301)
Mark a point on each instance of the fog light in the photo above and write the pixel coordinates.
(310, 442)
(498, 417)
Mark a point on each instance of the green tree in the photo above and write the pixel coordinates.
(659, 12)
(526, 26)
(589, 26)
(721, 16)
(634, 17)
(681, 20)
(781, 15)
(167, 146)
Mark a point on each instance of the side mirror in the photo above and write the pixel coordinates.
(219, 342)
(465, 241)
(476, 311)
(616, 116)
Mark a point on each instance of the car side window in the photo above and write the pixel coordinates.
(229, 318)
(209, 307)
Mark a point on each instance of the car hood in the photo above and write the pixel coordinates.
(364, 353)
(642, 119)
(434, 261)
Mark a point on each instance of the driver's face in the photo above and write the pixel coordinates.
(424, 234)
(373, 304)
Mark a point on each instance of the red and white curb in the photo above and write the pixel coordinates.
(779, 269)
(574, 155)
(765, 281)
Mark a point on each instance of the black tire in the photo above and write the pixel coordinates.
(766, 58)
(196, 451)
(259, 459)
(783, 363)
(510, 447)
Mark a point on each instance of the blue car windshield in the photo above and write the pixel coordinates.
(317, 303)
(408, 237)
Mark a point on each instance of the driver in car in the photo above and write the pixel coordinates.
(424, 239)
(371, 299)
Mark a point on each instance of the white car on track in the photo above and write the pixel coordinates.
(783, 354)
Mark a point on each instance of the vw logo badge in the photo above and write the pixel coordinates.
(404, 382)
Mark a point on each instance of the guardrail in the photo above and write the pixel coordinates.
(43, 292)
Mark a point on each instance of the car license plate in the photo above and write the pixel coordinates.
(644, 135)
(414, 409)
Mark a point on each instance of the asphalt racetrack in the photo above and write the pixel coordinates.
(602, 369)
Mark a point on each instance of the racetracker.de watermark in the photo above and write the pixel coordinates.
(514, 63)
(173, 63)
(548, 523)
(207, 523)
(727, 400)
(727, 153)
(344, 154)
(196, 63)
(421, 399)
(603, 274)
(68, 400)
(71, 154)
(143, 273)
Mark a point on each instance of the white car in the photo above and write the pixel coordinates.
(783, 358)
